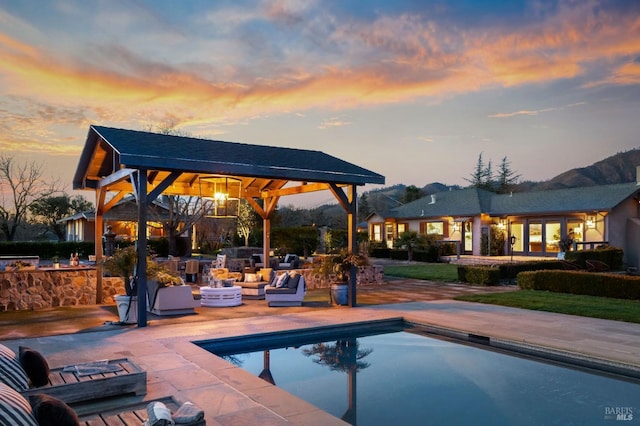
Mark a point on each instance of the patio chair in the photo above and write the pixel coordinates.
(290, 292)
(191, 269)
(29, 374)
(596, 266)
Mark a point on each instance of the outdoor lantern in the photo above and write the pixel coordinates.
(222, 195)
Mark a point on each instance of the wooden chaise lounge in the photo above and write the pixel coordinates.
(133, 414)
(72, 387)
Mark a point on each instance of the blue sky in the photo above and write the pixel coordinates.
(413, 90)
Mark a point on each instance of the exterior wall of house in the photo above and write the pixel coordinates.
(619, 226)
(632, 244)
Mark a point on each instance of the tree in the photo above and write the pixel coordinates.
(49, 210)
(364, 209)
(247, 220)
(506, 178)
(21, 185)
(184, 212)
(412, 193)
(502, 182)
(408, 240)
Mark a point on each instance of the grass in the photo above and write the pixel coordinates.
(572, 304)
(428, 271)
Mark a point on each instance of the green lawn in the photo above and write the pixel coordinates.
(429, 271)
(572, 304)
(586, 306)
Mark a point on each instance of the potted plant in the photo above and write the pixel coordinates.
(339, 265)
(122, 264)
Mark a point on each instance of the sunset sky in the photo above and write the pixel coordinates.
(413, 90)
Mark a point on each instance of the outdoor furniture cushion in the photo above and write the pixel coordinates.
(11, 371)
(136, 414)
(34, 365)
(14, 408)
(50, 411)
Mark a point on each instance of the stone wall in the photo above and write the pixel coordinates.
(366, 275)
(40, 289)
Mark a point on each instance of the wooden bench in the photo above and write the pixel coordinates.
(71, 387)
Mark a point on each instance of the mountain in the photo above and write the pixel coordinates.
(619, 168)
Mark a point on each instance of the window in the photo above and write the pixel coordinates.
(552, 237)
(389, 234)
(517, 230)
(402, 228)
(377, 232)
(435, 228)
(535, 237)
(468, 236)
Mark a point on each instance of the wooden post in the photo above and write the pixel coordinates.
(142, 248)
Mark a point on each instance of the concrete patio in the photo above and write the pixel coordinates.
(231, 396)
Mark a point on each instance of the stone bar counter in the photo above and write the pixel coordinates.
(47, 287)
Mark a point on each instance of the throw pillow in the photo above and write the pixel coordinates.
(282, 280)
(51, 411)
(14, 408)
(293, 280)
(35, 366)
(250, 278)
(11, 371)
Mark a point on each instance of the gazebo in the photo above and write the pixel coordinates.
(121, 162)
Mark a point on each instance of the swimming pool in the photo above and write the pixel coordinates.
(386, 376)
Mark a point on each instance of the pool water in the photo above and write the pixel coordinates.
(404, 378)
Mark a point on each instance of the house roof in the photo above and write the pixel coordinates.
(260, 168)
(595, 198)
(473, 201)
(124, 210)
(460, 202)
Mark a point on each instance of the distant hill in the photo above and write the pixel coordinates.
(619, 168)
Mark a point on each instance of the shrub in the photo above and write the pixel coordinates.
(479, 275)
(399, 255)
(509, 271)
(380, 252)
(578, 282)
(612, 256)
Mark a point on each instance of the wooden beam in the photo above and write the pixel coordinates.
(340, 196)
(162, 186)
(253, 203)
(300, 189)
(115, 177)
(112, 202)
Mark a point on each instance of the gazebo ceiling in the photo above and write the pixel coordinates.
(111, 155)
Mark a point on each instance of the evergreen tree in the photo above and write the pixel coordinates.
(506, 179)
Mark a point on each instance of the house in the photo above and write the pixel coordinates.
(534, 222)
(122, 219)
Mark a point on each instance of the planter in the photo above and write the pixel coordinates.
(340, 293)
(127, 308)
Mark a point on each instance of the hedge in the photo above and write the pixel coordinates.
(612, 256)
(46, 249)
(479, 275)
(577, 282)
(380, 253)
(509, 271)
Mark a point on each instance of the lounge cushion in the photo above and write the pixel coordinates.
(14, 408)
(252, 278)
(35, 366)
(281, 281)
(51, 411)
(293, 280)
(11, 371)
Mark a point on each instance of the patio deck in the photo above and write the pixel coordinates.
(229, 395)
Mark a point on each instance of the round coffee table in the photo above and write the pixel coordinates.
(221, 296)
